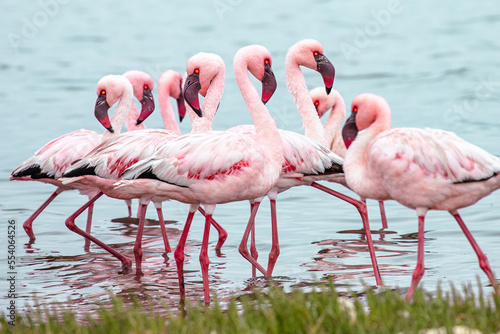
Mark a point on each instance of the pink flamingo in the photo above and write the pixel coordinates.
(101, 167)
(334, 102)
(49, 162)
(104, 165)
(219, 166)
(305, 160)
(423, 169)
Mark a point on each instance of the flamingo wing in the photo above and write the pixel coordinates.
(200, 156)
(114, 155)
(52, 159)
(304, 155)
(436, 153)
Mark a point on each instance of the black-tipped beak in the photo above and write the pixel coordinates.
(191, 89)
(269, 83)
(101, 112)
(181, 107)
(350, 130)
(327, 71)
(147, 105)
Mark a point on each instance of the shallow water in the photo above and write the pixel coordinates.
(437, 64)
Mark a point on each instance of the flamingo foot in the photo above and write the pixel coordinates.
(483, 260)
(179, 255)
(70, 223)
(27, 225)
(243, 248)
(419, 269)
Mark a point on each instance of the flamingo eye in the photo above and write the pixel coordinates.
(146, 87)
(355, 109)
(266, 61)
(103, 92)
(316, 103)
(197, 71)
(316, 53)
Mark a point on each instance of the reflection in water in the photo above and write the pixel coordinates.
(338, 257)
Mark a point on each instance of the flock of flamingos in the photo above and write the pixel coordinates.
(421, 169)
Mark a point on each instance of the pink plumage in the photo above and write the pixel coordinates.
(423, 169)
(50, 161)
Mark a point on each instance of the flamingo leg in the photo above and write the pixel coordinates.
(138, 239)
(204, 260)
(361, 207)
(253, 247)
(275, 248)
(222, 232)
(70, 223)
(179, 253)
(27, 225)
(243, 248)
(483, 260)
(419, 269)
(129, 207)
(139, 210)
(88, 226)
(168, 249)
(382, 214)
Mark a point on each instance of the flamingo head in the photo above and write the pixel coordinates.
(258, 61)
(201, 69)
(142, 84)
(309, 53)
(350, 131)
(365, 110)
(321, 100)
(170, 82)
(109, 90)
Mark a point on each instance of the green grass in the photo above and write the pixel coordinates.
(275, 311)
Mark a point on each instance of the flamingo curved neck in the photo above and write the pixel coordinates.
(131, 120)
(166, 110)
(297, 87)
(358, 171)
(333, 124)
(120, 113)
(265, 126)
(209, 105)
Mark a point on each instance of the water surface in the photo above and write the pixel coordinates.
(437, 63)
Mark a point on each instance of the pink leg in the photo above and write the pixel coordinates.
(88, 227)
(179, 254)
(220, 229)
(129, 207)
(361, 206)
(419, 269)
(163, 230)
(275, 249)
(138, 239)
(204, 260)
(382, 214)
(243, 249)
(70, 223)
(139, 210)
(253, 248)
(27, 225)
(483, 260)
